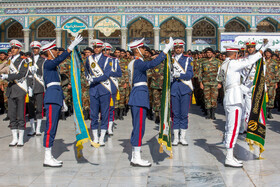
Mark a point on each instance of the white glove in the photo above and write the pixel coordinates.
(77, 40)
(4, 76)
(176, 74)
(169, 45)
(30, 92)
(64, 107)
(265, 46)
(33, 69)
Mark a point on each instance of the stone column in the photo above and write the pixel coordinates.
(124, 38)
(220, 30)
(58, 36)
(156, 38)
(90, 36)
(254, 29)
(26, 33)
(189, 37)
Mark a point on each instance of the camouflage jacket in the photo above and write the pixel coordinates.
(157, 76)
(65, 72)
(195, 65)
(208, 71)
(272, 72)
(124, 79)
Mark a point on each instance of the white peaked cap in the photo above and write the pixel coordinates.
(15, 43)
(35, 44)
(136, 43)
(48, 46)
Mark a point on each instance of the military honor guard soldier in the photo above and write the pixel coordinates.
(229, 74)
(54, 97)
(98, 69)
(16, 92)
(181, 91)
(114, 74)
(36, 89)
(139, 96)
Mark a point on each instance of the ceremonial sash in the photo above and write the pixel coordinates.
(37, 77)
(178, 68)
(131, 71)
(13, 70)
(114, 79)
(97, 72)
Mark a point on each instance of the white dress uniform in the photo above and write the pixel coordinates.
(230, 73)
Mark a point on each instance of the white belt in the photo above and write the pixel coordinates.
(140, 84)
(53, 84)
(232, 86)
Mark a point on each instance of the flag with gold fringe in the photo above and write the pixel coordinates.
(165, 129)
(257, 126)
(82, 135)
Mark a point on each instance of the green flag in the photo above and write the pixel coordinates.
(165, 129)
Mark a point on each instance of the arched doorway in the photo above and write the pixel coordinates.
(108, 30)
(174, 28)
(237, 25)
(204, 35)
(141, 28)
(267, 25)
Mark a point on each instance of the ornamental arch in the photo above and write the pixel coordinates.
(267, 25)
(204, 34)
(172, 27)
(42, 29)
(141, 28)
(237, 25)
(11, 29)
(108, 30)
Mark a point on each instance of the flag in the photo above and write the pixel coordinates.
(82, 135)
(165, 130)
(257, 125)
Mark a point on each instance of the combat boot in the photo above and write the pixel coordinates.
(150, 114)
(102, 137)
(183, 140)
(6, 118)
(208, 114)
(157, 121)
(213, 113)
(20, 138)
(176, 137)
(86, 114)
(136, 160)
(38, 128)
(117, 112)
(63, 115)
(231, 161)
(126, 109)
(110, 128)
(121, 114)
(15, 138)
(269, 115)
(49, 161)
(32, 131)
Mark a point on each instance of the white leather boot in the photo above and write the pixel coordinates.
(102, 137)
(49, 161)
(231, 161)
(176, 137)
(183, 139)
(20, 138)
(110, 128)
(15, 138)
(136, 160)
(38, 128)
(32, 131)
(95, 135)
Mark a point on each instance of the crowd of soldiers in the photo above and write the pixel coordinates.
(205, 67)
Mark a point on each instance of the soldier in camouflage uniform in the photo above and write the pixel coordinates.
(271, 80)
(148, 57)
(123, 86)
(4, 69)
(85, 85)
(65, 73)
(208, 70)
(198, 93)
(156, 87)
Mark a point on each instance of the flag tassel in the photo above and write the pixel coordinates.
(95, 145)
(161, 148)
